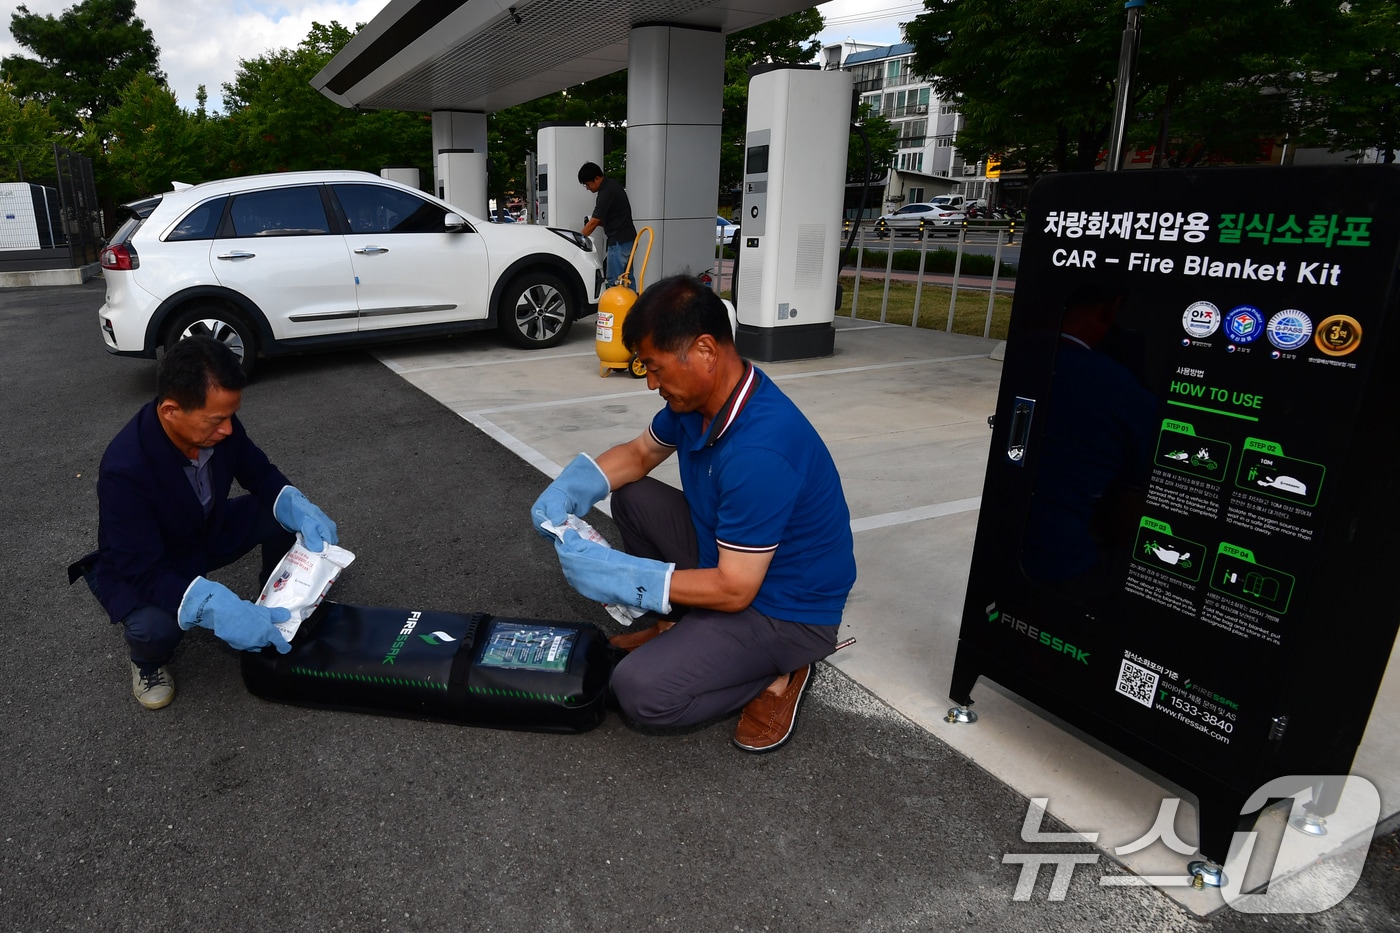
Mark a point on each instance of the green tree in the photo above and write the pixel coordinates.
(511, 133)
(1215, 80)
(1033, 78)
(276, 121)
(150, 142)
(882, 135)
(1036, 78)
(1350, 91)
(83, 58)
(27, 134)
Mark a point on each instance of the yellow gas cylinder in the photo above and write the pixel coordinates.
(613, 306)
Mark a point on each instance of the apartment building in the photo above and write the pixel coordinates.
(927, 161)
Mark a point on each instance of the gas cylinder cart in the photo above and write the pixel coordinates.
(613, 306)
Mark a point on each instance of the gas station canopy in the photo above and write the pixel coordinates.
(486, 55)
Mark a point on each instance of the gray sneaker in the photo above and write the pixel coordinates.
(152, 690)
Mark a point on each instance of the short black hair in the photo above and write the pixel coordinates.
(673, 312)
(194, 364)
(589, 171)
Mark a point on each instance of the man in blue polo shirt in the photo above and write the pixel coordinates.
(756, 550)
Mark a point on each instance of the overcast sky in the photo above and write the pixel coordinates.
(202, 41)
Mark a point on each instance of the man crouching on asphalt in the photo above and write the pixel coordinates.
(165, 518)
(755, 549)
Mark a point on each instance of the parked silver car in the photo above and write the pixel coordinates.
(275, 264)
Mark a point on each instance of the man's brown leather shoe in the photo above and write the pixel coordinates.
(767, 720)
(627, 641)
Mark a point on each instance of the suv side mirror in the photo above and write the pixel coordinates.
(454, 223)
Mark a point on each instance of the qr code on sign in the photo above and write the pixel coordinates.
(1136, 683)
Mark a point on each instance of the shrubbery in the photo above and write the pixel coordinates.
(940, 260)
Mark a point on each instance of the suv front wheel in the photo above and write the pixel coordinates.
(536, 311)
(217, 321)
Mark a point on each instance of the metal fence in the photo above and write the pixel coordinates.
(994, 238)
(68, 220)
(995, 234)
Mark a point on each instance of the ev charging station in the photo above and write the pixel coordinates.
(403, 174)
(563, 148)
(794, 182)
(461, 180)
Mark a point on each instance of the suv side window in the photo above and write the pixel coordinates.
(381, 209)
(279, 212)
(202, 223)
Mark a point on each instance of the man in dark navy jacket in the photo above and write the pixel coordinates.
(165, 518)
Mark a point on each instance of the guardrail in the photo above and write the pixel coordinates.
(1004, 232)
(869, 234)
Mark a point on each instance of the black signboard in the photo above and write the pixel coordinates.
(1185, 522)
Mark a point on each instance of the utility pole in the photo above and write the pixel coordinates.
(1127, 65)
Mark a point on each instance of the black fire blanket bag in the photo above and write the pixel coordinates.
(476, 669)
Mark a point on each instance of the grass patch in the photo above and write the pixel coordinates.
(969, 317)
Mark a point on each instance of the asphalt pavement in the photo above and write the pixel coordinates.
(225, 812)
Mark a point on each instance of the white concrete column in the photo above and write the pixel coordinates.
(675, 101)
(458, 129)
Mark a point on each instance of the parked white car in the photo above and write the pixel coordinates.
(724, 231)
(911, 218)
(284, 263)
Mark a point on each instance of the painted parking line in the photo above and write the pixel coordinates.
(922, 513)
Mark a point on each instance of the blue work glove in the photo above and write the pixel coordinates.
(295, 512)
(613, 577)
(242, 624)
(580, 486)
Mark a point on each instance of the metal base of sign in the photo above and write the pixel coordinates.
(960, 714)
(1206, 874)
(1309, 823)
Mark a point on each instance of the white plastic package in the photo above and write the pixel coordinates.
(300, 581)
(625, 615)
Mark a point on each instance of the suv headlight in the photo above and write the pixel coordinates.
(573, 236)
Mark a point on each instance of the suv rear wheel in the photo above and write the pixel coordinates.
(536, 311)
(217, 321)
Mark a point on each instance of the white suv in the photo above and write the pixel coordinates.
(275, 264)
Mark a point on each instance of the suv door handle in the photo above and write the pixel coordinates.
(237, 254)
(369, 250)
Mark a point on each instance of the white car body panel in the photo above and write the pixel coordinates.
(305, 286)
(419, 278)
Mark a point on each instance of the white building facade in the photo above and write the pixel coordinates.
(927, 161)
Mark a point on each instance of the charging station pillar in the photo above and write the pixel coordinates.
(459, 159)
(562, 149)
(403, 174)
(675, 102)
(794, 184)
(461, 180)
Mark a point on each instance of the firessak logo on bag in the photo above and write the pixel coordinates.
(404, 632)
(1037, 634)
